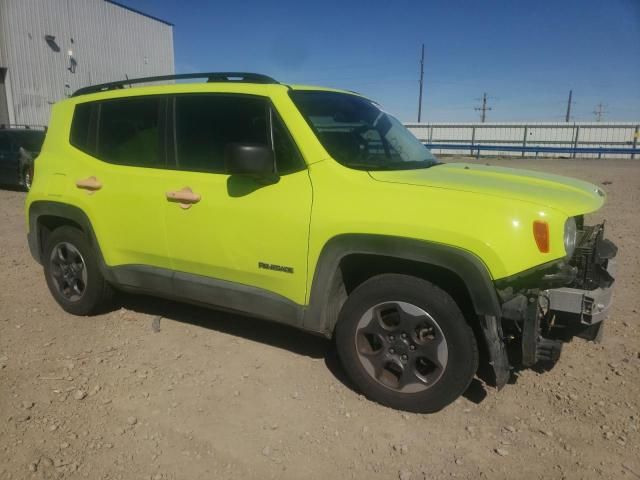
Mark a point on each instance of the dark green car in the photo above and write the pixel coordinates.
(19, 146)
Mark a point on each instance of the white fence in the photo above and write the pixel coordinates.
(580, 139)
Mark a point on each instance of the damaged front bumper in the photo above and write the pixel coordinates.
(585, 302)
(547, 306)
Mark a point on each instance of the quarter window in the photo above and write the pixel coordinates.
(288, 158)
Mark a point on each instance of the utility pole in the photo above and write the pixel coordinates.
(421, 81)
(568, 117)
(599, 112)
(483, 108)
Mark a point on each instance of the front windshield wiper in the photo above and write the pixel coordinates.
(415, 165)
(367, 166)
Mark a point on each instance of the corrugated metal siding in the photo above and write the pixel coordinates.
(109, 43)
(548, 134)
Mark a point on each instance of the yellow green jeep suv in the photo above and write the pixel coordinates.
(315, 208)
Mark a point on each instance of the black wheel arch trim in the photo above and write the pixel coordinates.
(328, 292)
(468, 267)
(41, 208)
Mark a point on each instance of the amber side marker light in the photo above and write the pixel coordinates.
(541, 234)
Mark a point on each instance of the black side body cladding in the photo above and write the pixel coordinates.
(205, 291)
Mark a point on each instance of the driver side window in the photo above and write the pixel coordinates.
(207, 123)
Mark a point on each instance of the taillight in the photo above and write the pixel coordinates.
(541, 234)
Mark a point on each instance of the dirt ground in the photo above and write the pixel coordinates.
(212, 395)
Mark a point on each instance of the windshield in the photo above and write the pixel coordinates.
(358, 134)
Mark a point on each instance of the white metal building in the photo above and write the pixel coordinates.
(50, 48)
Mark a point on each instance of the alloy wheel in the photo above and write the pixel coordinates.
(401, 346)
(68, 271)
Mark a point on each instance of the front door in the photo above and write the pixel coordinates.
(236, 229)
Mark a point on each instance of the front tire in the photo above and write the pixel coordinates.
(72, 273)
(405, 343)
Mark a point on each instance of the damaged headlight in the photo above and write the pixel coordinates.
(570, 236)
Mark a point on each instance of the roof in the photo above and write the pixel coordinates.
(139, 12)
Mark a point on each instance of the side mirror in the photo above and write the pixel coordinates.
(250, 159)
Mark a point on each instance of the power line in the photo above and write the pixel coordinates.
(421, 82)
(483, 108)
(599, 112)
(567, 118)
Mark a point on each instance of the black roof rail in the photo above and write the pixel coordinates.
(241, 77)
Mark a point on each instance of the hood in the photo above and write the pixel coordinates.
(573, 197)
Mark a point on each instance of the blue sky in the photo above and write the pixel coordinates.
(525, 54)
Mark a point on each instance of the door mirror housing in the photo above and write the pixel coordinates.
(254, 160)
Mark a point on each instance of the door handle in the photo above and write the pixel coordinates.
(185, 197)
(91, 184)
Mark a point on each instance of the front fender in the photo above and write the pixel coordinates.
(321, 316)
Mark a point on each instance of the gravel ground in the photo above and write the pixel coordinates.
(198, 394)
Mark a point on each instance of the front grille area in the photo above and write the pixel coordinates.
(591, 258)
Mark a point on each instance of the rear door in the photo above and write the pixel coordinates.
(242, 230)
(120, 178)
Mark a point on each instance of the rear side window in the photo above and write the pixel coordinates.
(206, 124)
(81, 126)
(129, 131)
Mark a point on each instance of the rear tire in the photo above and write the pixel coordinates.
(405, 343)
(72, 273)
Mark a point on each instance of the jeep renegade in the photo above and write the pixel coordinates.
(315, 208)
